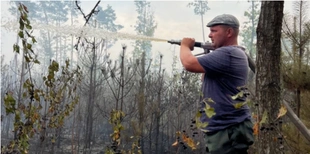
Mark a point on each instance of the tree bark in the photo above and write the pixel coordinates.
(268, 81)
(158, 110)
(90, 104)
(141, 103)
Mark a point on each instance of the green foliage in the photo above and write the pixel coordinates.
(65, 84)
(238, 95)
(146, 26)
(290, 136)
(49, 12)
(25, 35)
(200, 7)
(10, 103)
(116, 118)
(239, 105)
(295, 68)
(107, 18)
(296, 44)
(208, 110)
(200, 124)
(27, 114)
(248, 32)
(243, 93)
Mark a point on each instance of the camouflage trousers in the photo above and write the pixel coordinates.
(235, 139)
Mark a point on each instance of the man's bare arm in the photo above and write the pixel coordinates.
(188, 60)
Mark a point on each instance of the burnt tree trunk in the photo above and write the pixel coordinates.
(141, 104)
(158, 110)
(268, 81)
(90, 104)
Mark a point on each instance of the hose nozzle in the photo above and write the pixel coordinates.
(178, 42)
(204, 45)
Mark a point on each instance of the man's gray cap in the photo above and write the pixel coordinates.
(224, 19)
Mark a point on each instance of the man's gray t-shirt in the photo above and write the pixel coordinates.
(226, 69)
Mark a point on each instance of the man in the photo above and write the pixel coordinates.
(225, 70)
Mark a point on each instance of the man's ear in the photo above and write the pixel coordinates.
(230, 32)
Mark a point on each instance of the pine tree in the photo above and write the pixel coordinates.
(200, 8)
(145, 26)
(248, 32)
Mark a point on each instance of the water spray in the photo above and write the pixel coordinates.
(80, 31)
(86, 31)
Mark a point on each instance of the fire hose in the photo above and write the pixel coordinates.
(207, 46)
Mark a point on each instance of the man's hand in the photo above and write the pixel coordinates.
(188, 42)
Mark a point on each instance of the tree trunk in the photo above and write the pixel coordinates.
(90, 104)
(268, 88)
(150, 133)
(141, 102)
(73, 146)
(157, 113)
(122, 77)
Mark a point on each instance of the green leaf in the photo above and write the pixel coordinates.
(239, 95)
(210, 100)
(24, 94)
(21, 24)
(29, 46)
(17, 115)
(198, 114)
(33, 40)
(50, 77)
(239, 105)
(9, 110)
(36, 61)
(25, 16)
(27, 21)
(9, 98)
(26, 84)
(9, 103)
(20, 8)
(55, 66)
(21, 34)
(201, 124)
(27, 59)
(209, 110)
(36, 95)
(16, 48)
(198, 123)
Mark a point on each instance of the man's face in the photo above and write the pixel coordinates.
(218, 35)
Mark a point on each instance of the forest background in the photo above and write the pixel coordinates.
(71, 94)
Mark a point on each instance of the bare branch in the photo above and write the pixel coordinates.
(86, 17)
